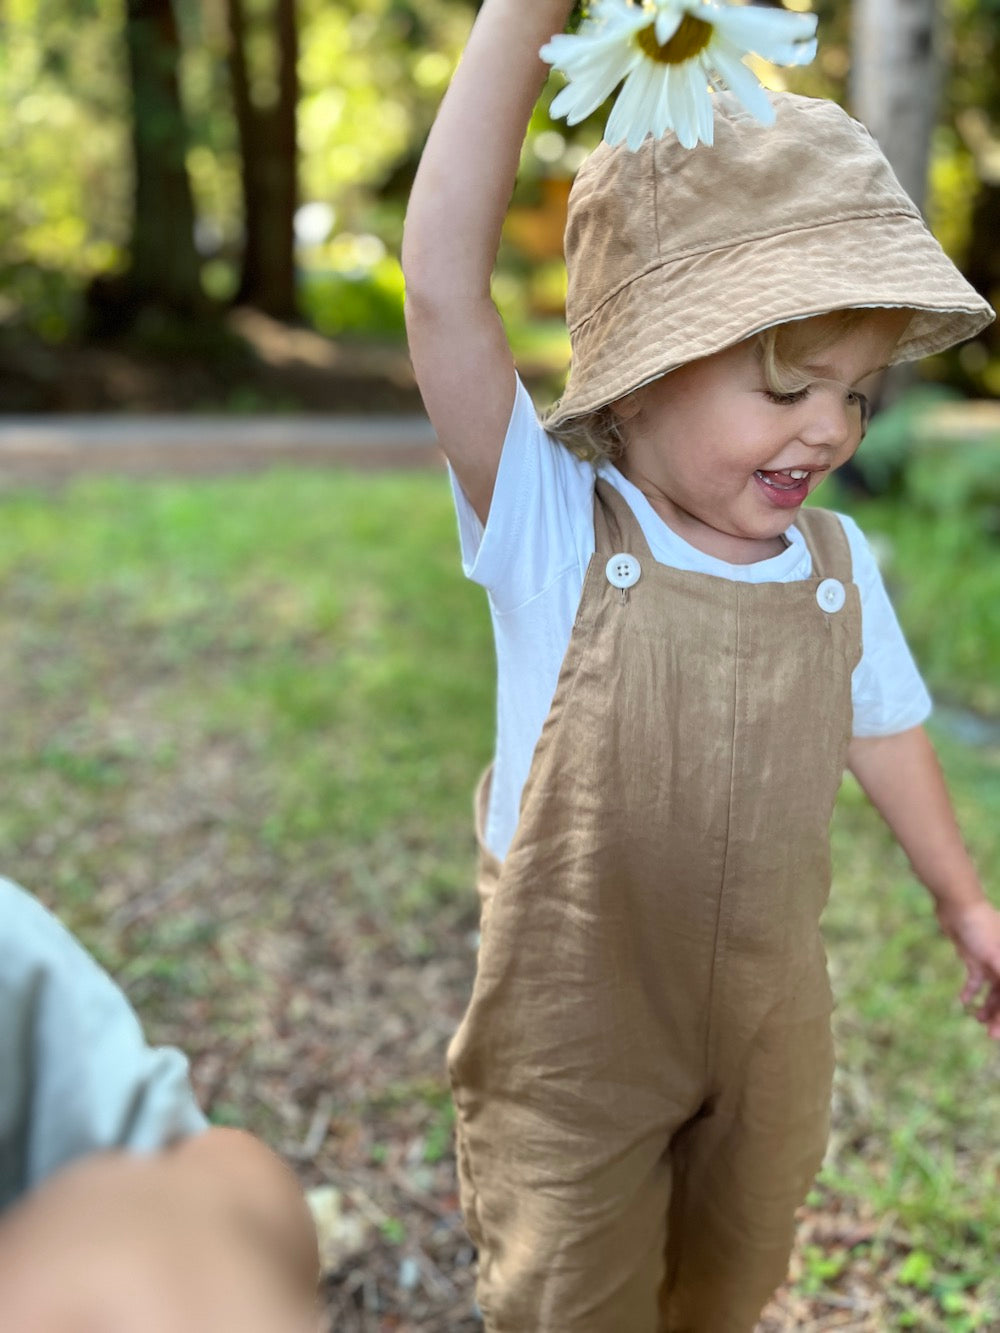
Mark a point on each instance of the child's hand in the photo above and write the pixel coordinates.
(975, 932)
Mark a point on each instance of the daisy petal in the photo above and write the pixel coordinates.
(649, 81)
(660, 121)
(582, 97)
(571, 51)
(774, 34)
(664, 89)
(618, 122)
(740, 80)
(592, 82)
(668, 20)
(596, 40)
(702, 99)
(646, 114)
(805, 53)
(624, 121)
(683, 108)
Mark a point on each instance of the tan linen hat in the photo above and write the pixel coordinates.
(674, 254)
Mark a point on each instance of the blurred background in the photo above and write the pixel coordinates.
(242, 712)
(184, 179)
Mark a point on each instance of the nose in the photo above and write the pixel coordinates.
(831, 420)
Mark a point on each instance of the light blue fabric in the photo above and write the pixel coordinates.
(76, 1074)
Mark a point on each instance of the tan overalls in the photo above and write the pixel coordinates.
(642, 1078)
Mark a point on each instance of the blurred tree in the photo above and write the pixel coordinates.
(263, 61)
(163, 271)
(894, 89)
(895, 82)
(370, 74)
(970, 171)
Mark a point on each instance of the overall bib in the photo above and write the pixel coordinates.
(642, 1078)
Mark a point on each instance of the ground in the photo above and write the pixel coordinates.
(249, 363)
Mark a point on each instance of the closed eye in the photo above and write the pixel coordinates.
(854, 399)
(786, 399)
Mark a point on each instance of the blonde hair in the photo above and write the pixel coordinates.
(783, 351)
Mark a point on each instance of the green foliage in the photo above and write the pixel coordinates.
(440, 1132)
(63, 214)
(366, 301)
(894, 436)
(64, 217)
(821, 1267)
(372, 73)
(961, 481)
(933, 457)
(915, 1097)
(393, 1231)
(937, 531)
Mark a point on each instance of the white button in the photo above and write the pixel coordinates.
(830, 595)
(623, 571)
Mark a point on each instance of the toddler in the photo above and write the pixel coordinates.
(688, 660)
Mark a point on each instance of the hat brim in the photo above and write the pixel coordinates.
(868, 261)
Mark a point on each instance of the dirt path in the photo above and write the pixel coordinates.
(55, 447)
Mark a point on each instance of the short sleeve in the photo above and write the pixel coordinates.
(888, 691)
(78, 1076)
(533, 534)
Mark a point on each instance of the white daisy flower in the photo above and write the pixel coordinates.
(670, 53)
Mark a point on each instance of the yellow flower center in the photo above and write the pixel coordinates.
(690, 39)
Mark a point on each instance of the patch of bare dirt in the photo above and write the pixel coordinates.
(244, 363)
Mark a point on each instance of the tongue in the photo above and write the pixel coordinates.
(781, 479)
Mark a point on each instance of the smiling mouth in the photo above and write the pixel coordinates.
(788, 479)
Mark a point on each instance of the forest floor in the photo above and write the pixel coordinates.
(246, 364)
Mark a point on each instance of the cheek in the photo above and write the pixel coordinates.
(847, 453)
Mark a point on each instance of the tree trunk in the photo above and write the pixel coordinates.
(894, 88)
(895, 82)
(268, 146)
(164, 267)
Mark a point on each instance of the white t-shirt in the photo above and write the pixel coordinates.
(532, 557)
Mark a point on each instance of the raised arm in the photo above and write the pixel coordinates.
(459, 349)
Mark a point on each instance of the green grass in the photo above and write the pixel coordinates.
(918, 1105)
(287, 675)
(316, 623)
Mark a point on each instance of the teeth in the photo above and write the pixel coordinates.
(798, 473)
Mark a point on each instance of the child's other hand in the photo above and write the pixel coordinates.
(975, 932)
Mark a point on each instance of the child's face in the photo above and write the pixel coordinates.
(728, 464)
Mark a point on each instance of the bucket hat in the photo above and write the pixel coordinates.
(674, 254)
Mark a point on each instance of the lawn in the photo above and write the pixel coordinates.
(241, 722)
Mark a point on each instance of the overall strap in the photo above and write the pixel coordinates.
(616, 528)
(827, 542)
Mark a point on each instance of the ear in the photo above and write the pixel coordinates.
(625, 409)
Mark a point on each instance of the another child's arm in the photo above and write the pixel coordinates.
(121, 1208)
(902, 778)
(460, 196)
(210, 1234)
